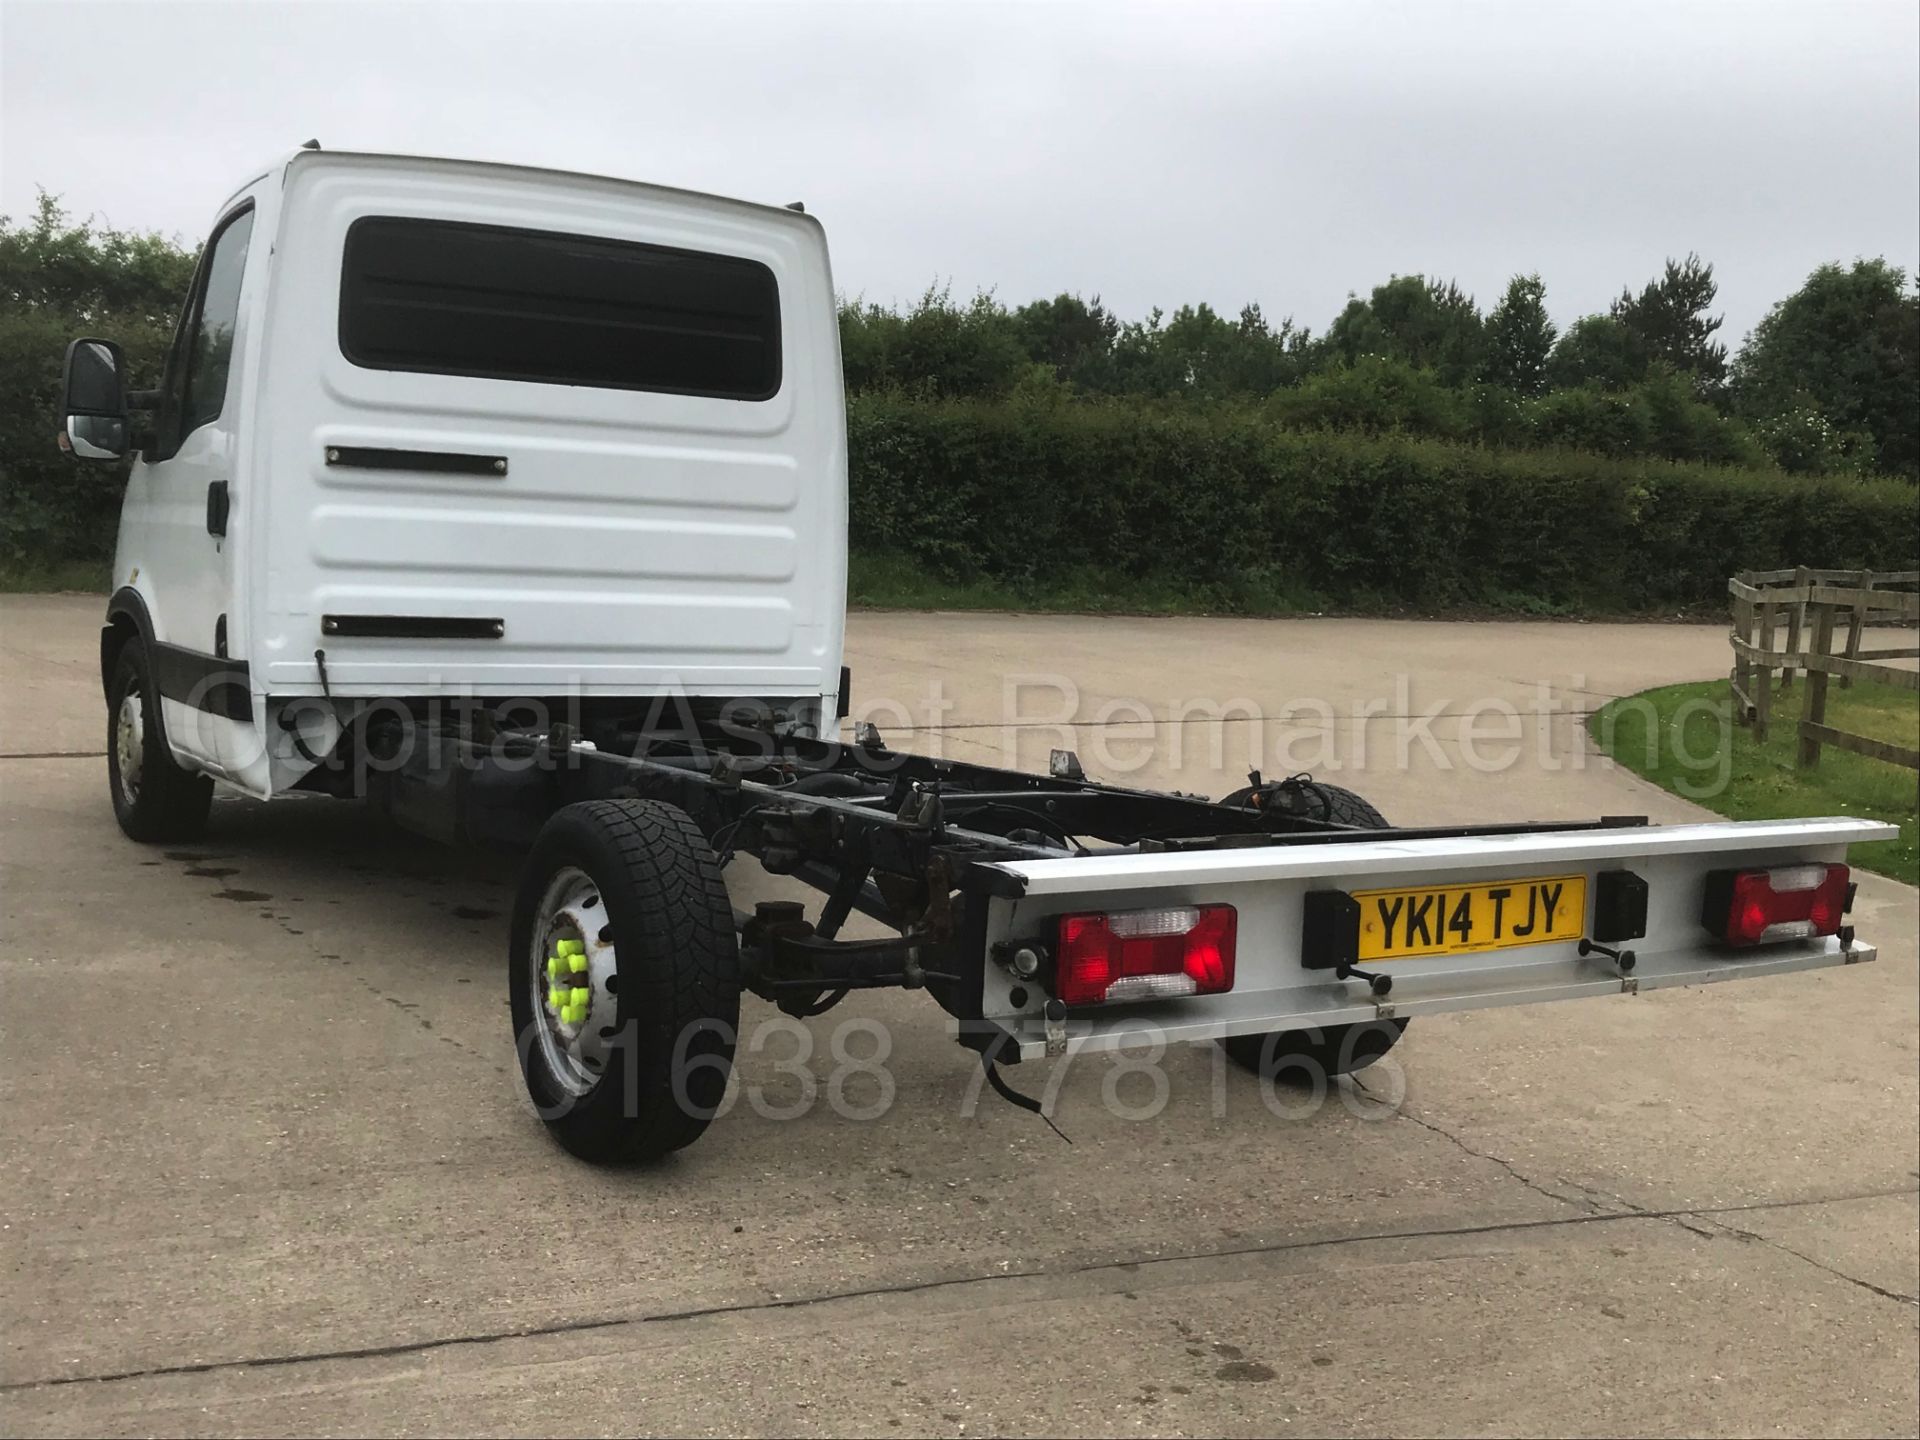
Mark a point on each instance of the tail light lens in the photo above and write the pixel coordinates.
(1145, 954)
(1788, 902)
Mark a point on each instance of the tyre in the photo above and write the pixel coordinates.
(1301, 1057)
(154, 797)
(1298, 1056)
(623, 978)
(1321, 802)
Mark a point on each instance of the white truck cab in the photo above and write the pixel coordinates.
(436, 428)
(515, 503)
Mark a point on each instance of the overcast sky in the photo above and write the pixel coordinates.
(1285, 154)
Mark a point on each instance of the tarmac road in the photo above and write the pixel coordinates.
(268, 1170)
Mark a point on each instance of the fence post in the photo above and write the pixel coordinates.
(1742, 614)
(1763, 689)
(1857, 622)
(1796, 629)
(1816, 706)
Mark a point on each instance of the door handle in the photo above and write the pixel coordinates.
(218, 505)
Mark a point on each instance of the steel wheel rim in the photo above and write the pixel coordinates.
(129, 744)
(573, 909)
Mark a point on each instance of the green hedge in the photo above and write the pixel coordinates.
(52, 507)
(1231, 509)
(1024, 493)
(59, 281)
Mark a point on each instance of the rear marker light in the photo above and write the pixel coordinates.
(1145, 954)
(1788, 902)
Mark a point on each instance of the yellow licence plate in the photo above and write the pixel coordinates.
(1462, 919)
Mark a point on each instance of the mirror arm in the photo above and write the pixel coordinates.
(144, 399)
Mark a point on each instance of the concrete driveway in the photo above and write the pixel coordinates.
(268, 1170)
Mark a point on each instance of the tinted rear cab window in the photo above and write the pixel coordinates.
(447, 298)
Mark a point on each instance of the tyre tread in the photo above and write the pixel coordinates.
(174, 802)
(1322, 1048)
(682, 967)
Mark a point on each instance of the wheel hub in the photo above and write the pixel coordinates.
(575, 975)
(129, 744)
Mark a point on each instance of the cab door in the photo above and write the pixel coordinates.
(184, 480)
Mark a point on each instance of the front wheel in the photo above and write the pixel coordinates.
(624, 979)
(154, 797)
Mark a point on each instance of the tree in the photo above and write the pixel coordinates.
(1596, 350)
(1195, 347)
(1260, 358)
(1206, 355)
(938, 348)
(1840, 355)
(1423, 322)
(1374, 394)
(52, 266)
(1072, 335)
(1519, 338)
(1668, 322)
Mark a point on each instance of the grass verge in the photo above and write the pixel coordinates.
(1682, 738)
(31, 577)
(890, 581)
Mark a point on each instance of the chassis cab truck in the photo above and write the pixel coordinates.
(514, 503)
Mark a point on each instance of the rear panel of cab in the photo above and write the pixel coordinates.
(638, 484)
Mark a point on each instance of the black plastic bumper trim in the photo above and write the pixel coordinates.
(209, 683)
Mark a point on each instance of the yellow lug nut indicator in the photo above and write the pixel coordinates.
(569, 1003)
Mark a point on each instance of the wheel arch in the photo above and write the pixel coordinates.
(127, 619)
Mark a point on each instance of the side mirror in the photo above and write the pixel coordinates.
(94, 401)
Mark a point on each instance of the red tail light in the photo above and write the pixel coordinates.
(1145, 954)
(1788, 902)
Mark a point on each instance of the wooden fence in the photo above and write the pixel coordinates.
(1807, 608)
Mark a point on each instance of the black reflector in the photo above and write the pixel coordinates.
(1619, 906)
(1330, 936)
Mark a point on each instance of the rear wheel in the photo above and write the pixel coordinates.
(1312, 800)
(1307, 1056)
(154, 797)
(624, 979)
